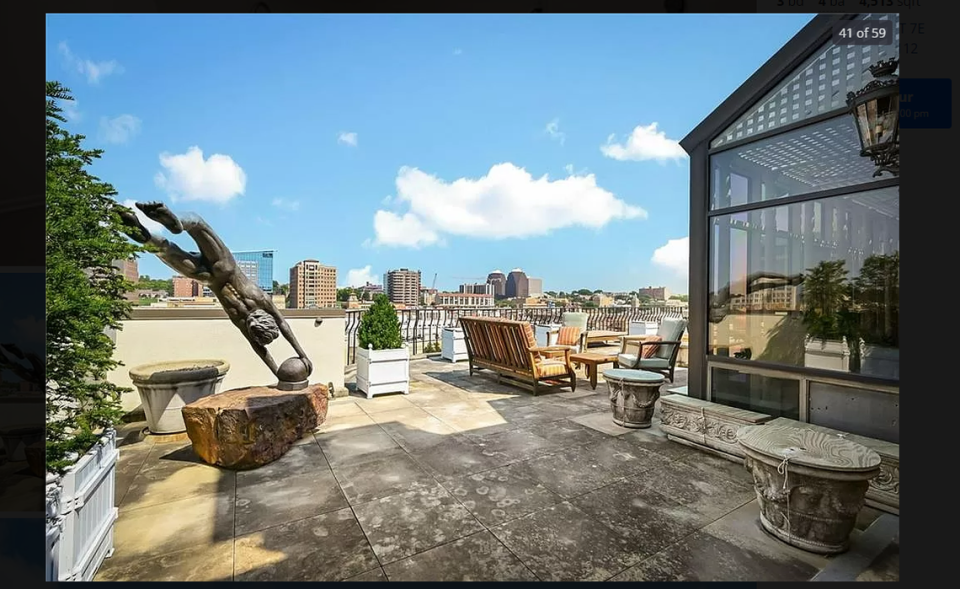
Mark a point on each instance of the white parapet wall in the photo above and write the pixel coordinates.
(157, 335)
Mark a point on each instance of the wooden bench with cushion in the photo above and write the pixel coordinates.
(509, 348)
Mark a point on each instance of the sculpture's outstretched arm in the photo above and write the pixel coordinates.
(288, 335)
(265, 356)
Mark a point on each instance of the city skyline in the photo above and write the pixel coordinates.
(466, 143)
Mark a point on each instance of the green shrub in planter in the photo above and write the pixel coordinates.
(85, 293)
(380, 326)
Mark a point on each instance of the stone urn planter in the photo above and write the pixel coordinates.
(383, 371)
(165, 387)
(633, 394)
(810, 484)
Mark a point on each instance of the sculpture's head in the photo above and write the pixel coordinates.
(263, 327)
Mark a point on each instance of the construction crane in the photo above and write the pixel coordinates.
(434, 285)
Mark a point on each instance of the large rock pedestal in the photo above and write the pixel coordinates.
(810, 485)
(245, 428)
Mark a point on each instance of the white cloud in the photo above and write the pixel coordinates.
(190, 177)
(674, 256)
(553, 130)
(119, 129)
(287, 205)
(71, 110)
(360, 277)
(506, 203)
(347, 138)
(644, 143)
(150, 224)
(93, 70)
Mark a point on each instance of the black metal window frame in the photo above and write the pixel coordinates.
(778, 202)
(698, 145)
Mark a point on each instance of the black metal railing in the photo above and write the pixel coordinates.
(424, 326)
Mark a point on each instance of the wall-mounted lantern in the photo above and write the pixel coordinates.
(876, 112)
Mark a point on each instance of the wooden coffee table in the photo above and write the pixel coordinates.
(592, 360)
(601, 336)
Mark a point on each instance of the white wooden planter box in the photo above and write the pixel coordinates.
(383, 371)
(546, 335)
(827, 355)
(643, 328)
(86, 514)
(453, 346)
(54, 529)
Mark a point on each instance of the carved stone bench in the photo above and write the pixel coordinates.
(704, 424)
(245, 428)
(884, 491)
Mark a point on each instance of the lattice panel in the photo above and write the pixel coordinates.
(819, 86)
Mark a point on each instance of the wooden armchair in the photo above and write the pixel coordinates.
(663, 359)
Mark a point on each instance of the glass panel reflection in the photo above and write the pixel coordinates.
(813, 284)
(778, 397)
(819, 157)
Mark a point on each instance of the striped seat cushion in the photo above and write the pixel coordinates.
(548, 368)
(568, 336)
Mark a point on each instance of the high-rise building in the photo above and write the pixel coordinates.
(184, 287)
(498, 281)
(518, 285)
(482, 289)
(258, 267)
(536, 286)
(659, 293)
(402, 286)
(312, 285)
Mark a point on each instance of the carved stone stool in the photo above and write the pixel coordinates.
(633, 394)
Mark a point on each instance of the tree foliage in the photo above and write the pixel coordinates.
(85, 293)
(827, 300)
(380, 326)
(156, 284)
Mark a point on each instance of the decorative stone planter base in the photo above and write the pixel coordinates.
(706, 424)
(810, 485)
(633, 394)
(166, 387)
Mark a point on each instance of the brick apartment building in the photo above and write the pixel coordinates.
(312, 285)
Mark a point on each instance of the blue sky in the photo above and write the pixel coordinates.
(453, 144)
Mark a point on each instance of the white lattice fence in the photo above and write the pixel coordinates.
(80, 529)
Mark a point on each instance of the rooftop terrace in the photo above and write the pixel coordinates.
(462, 479)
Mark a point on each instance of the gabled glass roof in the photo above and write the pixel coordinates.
(818, 86)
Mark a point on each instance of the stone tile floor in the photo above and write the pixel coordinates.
(462, 479)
